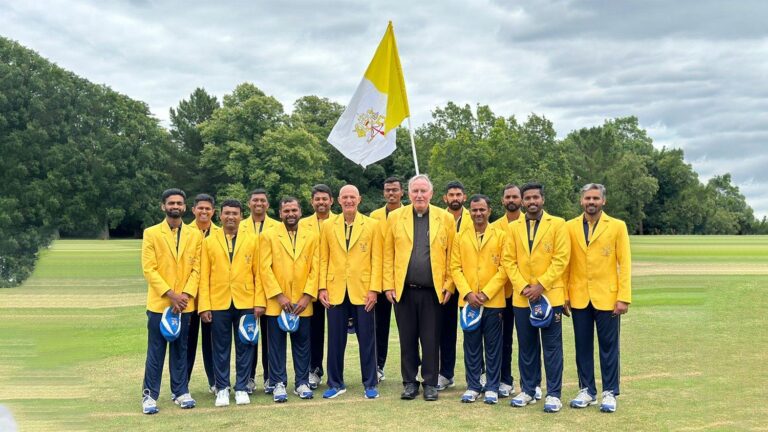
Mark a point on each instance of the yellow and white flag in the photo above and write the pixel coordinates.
(365, 132)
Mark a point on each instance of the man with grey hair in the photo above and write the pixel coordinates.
(598, 281)
(417, 280)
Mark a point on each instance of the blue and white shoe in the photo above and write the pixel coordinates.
(279, 394)
(268, 387)
(371, 393)
(506, 389)
(149, 405)
(583, 399)
(185, 401)
(303, 392)
(251, 386)
(469, 396)
(491, 398)
(444, 383)
(609, 402)
(552, 404)
(522, 399)
(334, 392)
(537, 394)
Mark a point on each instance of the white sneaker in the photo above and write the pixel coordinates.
(314, 380)
(303, 392)
(185, 401)
(491, 398)
(522, 399)
(469, 396)
(279, 394)
(443, 383)
(222, 398)
(251, 386)
(537, 394)
(505, 390)
(380, 374)
(149, 405)
(212, 390)
(483, 380)
(583, 399)
(552, 404)
(241, 398)
(609, 402)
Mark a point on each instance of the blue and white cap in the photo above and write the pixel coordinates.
(541, 312)
(248, 331)
(170, 324)
(471, 317)
(288, 322)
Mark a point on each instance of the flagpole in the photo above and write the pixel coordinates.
(413, 146)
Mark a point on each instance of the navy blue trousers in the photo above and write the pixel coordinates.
(177, 358)
(449, 315)
(383, 312)
(365, 329)
(277, 340)
(317, 338)
(417, 313)
(508, 318)
(204, 329)
(486, 339)
(608, 329)
(531, 341)
(263, 335)
(224, 328)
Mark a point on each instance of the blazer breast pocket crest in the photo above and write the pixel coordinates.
(606, 251)
(548, 247)
(363, 246)
(248, 258)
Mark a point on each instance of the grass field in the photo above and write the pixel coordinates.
(694, 353)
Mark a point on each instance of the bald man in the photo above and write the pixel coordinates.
(350, 281)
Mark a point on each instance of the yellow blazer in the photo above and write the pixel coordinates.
(355, 271)
(247, 226)
(466, 222)
(313, 223)
(193, 226)
(398, 245)
(477, 267)
(502, 224)
(288, 271)
(545, 263)
(601, 272)
(223, 282)
(165, 269)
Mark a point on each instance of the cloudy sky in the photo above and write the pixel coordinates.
(694, 72)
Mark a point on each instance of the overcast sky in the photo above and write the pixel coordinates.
(694, 72)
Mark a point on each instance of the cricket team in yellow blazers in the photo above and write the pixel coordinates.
(257, 281)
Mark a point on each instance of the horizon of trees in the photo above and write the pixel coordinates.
(81, 160)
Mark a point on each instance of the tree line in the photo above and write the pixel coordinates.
(81, 160)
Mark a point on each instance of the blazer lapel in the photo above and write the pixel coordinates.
(185, 236)
(407, 221)
(542, 231)
(301, 240)
(582, 241)
(338, 232)
(221, 237)
(522, 232)
(601, 227)
(169, 239)
(434, 224)
(357, 229)
(285, 239)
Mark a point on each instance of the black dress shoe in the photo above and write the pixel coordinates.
(430, 393)
(410, 391)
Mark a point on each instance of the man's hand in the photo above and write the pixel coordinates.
(621, 308)
(482, 298)
(446, 296)
(322, 295)
(473, 300)
(533, 292)
(567, 308)
(285, 302)
(370, 300)
(206, 317)
(178, 301)
(391, 296)
(302, 304)
(259, 311)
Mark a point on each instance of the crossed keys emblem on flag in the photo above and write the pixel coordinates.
(369, 124)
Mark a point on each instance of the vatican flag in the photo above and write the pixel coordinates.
(365, 132)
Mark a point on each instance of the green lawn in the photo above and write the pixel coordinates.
(694, 353)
